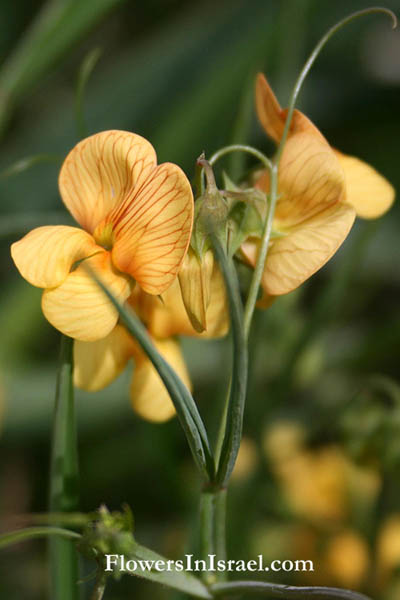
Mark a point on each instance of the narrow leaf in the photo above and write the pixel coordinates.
(185, 406)
(146, 561)
(26, 163)
(84, 74)
(29, 533)
(285, 592)
(55, 30)
(237, 397)
(64, 478)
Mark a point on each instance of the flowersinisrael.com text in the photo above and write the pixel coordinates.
(119, 562)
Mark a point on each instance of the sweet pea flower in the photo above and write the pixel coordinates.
(136, 218)
(320, 192)
(97, 364)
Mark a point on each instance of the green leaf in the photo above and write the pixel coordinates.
(29, 533)
(85, 72)
(64, 477)
(185, 406)
(244, 221)
(178, 580)
(56, 29)
(26, 163)
(237, 396)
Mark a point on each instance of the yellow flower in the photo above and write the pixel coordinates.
(136, 219)
(320, 193)
(98, 363)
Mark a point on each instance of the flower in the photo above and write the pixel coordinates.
(98, 363)
(320, 192)
(136, 219)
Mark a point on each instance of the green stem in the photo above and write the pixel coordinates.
(29, 533)
(237, 396)
(286, 592)
(240, 148)
(64, 478)
(99, 586)
(24, 164)
(185, 406)
(263, 251)
(85, 71)
(207, 538)
(222, 426)
(311, 59)
(213, 529)
(220, 526)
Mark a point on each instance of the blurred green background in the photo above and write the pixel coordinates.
(319, 474)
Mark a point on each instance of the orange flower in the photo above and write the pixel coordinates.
(98, 363)
(136, 218)
(320, 191)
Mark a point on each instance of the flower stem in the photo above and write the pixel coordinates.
(99, 586)
(315, 53)
(85, 71)
(213, 530)
(29, 533)
(240, 148)
(64, 478)
(262, 254)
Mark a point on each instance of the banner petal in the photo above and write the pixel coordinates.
(310, 180)
(153, 233)
(101, 171)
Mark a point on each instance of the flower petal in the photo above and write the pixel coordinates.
(218, 309)
(97, 364)
(269, 111)
(45, 256)
(149, 396)
(273, 118)
(296, 256)
(366, 190)
(101, 171)
(79, 308)
(310, 180)
(153, 232)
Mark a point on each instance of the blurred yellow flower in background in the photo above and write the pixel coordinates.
(388, 548)
(324, 490)
(320, 192)
(318, 484)
(136, 219)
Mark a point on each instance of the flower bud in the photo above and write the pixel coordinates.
(195, 282)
